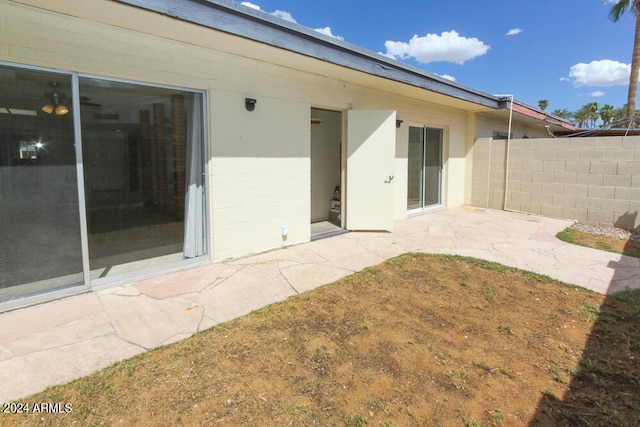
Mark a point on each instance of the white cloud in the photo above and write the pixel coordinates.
(598, 93)
(251, 5)
(388, 55)
(278, 13)
(448, 77)
(284, 15)
(599, 73)
(448, 46)
(327, 32)
(514, 31)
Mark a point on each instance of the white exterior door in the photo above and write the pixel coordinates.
(371, 145)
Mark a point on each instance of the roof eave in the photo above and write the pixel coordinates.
(233, 18)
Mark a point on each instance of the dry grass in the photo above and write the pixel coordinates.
(417, 340)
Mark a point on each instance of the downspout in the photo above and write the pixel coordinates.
(489, 176)
(506, 166)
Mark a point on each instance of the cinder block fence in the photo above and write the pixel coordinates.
(593, 180)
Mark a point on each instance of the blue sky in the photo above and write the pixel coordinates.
(566, 51)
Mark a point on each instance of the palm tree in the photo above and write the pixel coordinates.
(620, 116)
(543, 104)
(563, 113)
(606, 114)
(617, 10)
(594, 115)
(582, 116)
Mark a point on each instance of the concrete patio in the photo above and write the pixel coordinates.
(62, 340)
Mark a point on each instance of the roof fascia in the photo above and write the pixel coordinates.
(233, 18)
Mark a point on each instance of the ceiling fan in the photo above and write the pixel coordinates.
(54, 101)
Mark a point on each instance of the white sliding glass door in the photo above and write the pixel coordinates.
(143, 175)
(98, 179)
(425, 160)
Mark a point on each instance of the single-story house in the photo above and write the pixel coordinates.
(138, 136)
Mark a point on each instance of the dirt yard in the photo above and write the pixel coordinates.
(418, 340)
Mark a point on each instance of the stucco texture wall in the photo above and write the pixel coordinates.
(591, 180)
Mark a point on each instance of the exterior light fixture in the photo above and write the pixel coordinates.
(250, 104)
(399, 123)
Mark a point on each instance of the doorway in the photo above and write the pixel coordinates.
(326, 167)
(425, 162)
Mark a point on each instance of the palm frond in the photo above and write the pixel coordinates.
(622, 6)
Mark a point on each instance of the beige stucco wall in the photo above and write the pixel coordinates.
(592, 180)
(259, 164)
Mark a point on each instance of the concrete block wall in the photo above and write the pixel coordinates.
(591, 180)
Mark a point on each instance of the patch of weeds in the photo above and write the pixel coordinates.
(505, 330)
(497, 415)
(508, 372)
(604, 246)
(266, 309)
(85, 411)
(87, 386)
(574, 371)
(568, 235)
(457, 377)
(482, 365)
(541, 277)
(54, 394)
(127, 366)
(357, 420)
(595, 366)
(463, 280)
(397, 261)
(487, 292)
(471, 422)
(372, 270)
(322, 354)
(591, 312)
(295, 409)
(91, 385)
(557, 373)
(487, 265)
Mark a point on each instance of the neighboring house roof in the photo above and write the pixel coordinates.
(535, 113)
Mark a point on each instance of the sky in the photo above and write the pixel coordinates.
(565, 51)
